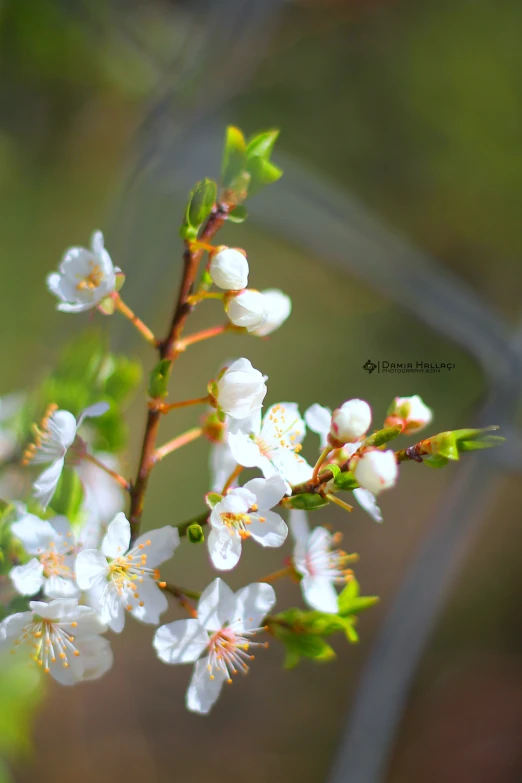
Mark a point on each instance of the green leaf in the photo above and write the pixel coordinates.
(445, 445)
(382, 436)
(201, 199)
(68, 498)
(238, 214)
(435, 461)
(262, 144)
(308, 501)
(304, 645)
(159, 379)
(346, 481)
(262, 172)
(351, 634)
(234, 156)
(350, 602)
(335, 469)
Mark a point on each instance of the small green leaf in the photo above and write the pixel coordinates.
(382, 436)
(335, 469)
(351, 634)
(262, 144)
(238, 214)
(444, 445)
(346, 481)
(435, 461)
(234, 156)
(159, 379)
(308, 501)
(262, 172)
(303, 645)
(350, 602)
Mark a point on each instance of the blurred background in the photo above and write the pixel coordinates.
(396, 231)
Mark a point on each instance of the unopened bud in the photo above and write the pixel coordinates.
(229, 269)
(409, 412)
(376, 470)
(195, 534)
(350, 422)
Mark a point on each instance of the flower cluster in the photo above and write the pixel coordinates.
(84, 563)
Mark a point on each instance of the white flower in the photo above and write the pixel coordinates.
(243, 513)
(120, 578)
(61, 637)
(273, 445)
(54, 548)
(222, 634)
(376, 470)
(241, 389)
(351, 421)
(85, 277)
(278, 307)
(409, 412)
(318, 419)
(229, 269)
(321, 565)
(54, 437)
(247, 309)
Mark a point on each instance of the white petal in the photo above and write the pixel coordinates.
(320, 594)
(56, 610)
(224, 547)
(28, 578)
(96, 656)
(153, 599)
(298, 522)
(91, 567)
(163, 543)
(88, 622)
(13, 625)
(105, 599)
(182, 641)
(292, 467)
(93, 412)
(244, 450)
(203, 690)
(272, 532)
(216, 605)
(318, 419)
(97, 243)
(268, 492)
(63, 530)
(368, 502)
(45, 485)
(254, 603)
(62, 428)
(65, 307)
(59, 587)
(35, 534)
(117, 538)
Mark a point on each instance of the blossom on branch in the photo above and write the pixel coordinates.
(240, 390)
(85, 277)
(123, 577)
(61, 637)
(273, 444)
(219, 641)
(247, 309)
(319, 562)
(411, 413)
(229, 269)
(55, 436)
(52, 542)
(278, 307)
(245, 513)
(376, 470)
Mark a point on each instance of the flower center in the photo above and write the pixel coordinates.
(237, 522)
(127, 572)
(92, 280)
(228, 651)
(49, 642)
(331, 563)
(53, 562)
(41, 435)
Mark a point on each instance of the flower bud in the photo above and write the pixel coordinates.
(241, 390)
(376, 470)
(278, 307)
(350, 421)
(247, 309)
(229, 269)
(409, 412)
(195, 534)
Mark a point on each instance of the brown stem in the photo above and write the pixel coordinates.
(181, 594)
(166, 407)
(112, 473)
(167, 350)
(177, 443)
